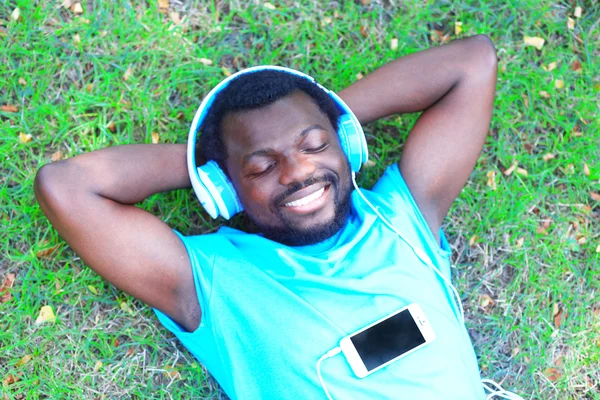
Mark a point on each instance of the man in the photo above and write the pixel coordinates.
(258, 310)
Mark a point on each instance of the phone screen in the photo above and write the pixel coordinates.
(387, 340)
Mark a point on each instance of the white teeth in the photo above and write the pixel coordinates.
(305, 200)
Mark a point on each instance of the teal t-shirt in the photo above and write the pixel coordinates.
(270, 311)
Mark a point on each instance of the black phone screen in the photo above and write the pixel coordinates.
(387, 340)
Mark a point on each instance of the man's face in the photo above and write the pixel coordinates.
(287, 166)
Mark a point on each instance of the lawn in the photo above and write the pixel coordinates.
(524, 230)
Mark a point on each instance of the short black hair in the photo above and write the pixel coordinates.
(251, 91)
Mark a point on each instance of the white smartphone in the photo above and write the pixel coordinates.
(387, 340)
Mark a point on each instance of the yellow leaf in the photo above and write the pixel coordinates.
(586, 169)
(92, 289)
(598, 249)
(97, 366)
(56, 156)
(155, 137)
(175, 17)
(77, 38)
(491, 179)
(89, 87)
(548, 156)
(24, 360)
(67, 3)
(359, 76)
(46, 252)
(534, 41)
(25, 138)
(125, 307)
(16, 14)
(559, 84)
(226, 71)
(206, 61)
(570, 23)
(394, 44)
(520, 241)
(485, 300)
(9, 108)
(521, 171)
(473, 240)
(515, 351)
(163, 4)
(550, 66)
(544, 94)
(510, 169)
(46, 315)
(577, 12)
(76, 8)
(268, 6)
(127, 74)
(458, 28)
(22, 81)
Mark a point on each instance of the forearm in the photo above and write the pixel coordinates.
(415, 82)
(126, 174)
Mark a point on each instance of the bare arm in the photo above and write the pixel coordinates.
(90, 199)
(454, 85)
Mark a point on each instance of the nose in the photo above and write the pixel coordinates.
(296, 168)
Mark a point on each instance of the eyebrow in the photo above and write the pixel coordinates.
(265, 152)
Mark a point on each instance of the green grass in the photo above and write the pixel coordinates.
(526, 272)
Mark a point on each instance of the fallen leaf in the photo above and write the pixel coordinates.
(570, 169)
(595, 196)
(550, 66)
(544, 94)
(10, 379)
(111, 127)
(540, 229)
(130, 352)
(570, 23)
(180, 116)
(97, 366)
(77, 38)
(520, 242)
(125, 307)
(268, 6)
(9, 281)
(536, 42)
(576, 66)
(510, 169)
(25, 138)
(76, 8)
(46, 315)
(24, 360)
(578, 11)
(365, 2)
(458, 28)
(206, 61)
(528, 147)
(558, 317)
(473, 240)
(89, 87)
(67, 3)
(22, 82)
(46, 252)
(522, 171)
(586, 169)
(172, 373)
(369, 164)
(15, 14)
(175, 17)
(548, 156)
(92, 289)
(485, 300)
(491, 179)
(559, 84)
(56, 156)
(546, 223)
(116, 342)
(555, 309)
(581, 240)
(164, 4)
(515, 351)
(127, 74)
(226, 71)
(9, 108)
(155, 137)
(363, 31)
(394, 44)
(359, 76)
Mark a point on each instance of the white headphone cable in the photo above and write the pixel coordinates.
(325, 356)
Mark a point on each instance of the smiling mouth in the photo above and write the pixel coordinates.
(308, 199)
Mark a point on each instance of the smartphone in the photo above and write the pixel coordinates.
(387, 340)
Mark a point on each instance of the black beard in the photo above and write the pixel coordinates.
(292, 236)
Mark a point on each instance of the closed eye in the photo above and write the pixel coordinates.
(317, 149)
(263, 172)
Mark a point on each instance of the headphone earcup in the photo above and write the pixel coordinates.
(218, 195)
(352, 140)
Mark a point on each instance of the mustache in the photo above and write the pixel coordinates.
(297, 186)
